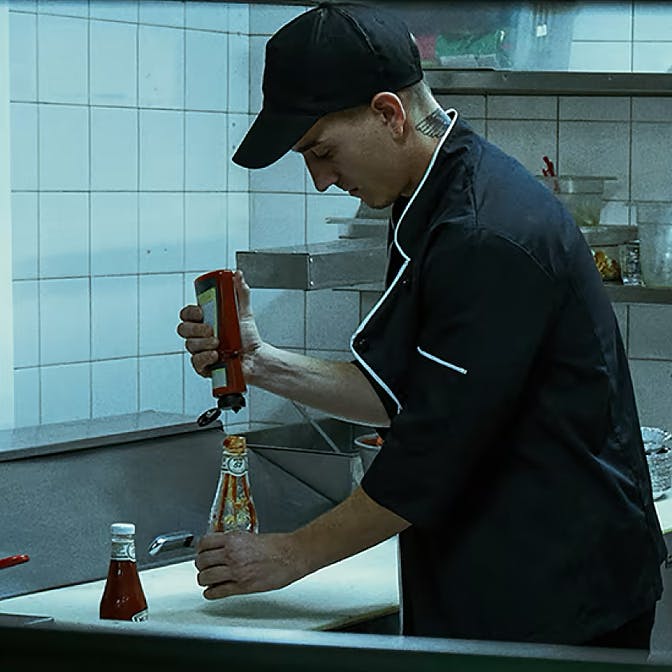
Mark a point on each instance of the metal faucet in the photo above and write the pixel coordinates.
(171, 541)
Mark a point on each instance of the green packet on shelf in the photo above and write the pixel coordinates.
(490, 44)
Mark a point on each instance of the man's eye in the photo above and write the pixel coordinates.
(323, 155)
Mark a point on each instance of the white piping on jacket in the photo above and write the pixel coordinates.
(443, 362)
(407, 259)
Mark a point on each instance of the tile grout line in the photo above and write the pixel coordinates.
(90, 172)
(138, 162)
(40, 411)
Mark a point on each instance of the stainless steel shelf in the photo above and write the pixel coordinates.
(617, 293)
(634, 294)
(443, 81)
(314, 266)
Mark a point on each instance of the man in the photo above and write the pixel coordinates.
(513, 468)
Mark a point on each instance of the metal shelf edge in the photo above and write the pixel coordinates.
(445, 81)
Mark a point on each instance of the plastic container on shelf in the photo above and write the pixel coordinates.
(654, 222)
(583, 195)
(659, 458)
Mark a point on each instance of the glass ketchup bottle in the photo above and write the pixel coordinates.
(232, 506)
(123, 597)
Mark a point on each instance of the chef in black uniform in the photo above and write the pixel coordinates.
(513, 467)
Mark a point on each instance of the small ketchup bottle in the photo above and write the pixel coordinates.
(123, 598)
(232, 506)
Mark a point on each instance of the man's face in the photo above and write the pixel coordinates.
(355, 151)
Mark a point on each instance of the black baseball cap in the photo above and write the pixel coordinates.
(332, 57)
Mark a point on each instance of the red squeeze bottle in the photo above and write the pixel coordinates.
(123, 598)
(216, 296)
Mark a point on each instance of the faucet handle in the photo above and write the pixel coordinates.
(171, 541)
(12, 560)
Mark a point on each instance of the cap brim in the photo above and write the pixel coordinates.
(270, 137)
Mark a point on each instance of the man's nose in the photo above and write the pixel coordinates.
(323, 177)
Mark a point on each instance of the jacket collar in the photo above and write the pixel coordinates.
(411, 216)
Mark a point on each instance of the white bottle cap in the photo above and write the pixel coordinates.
(122, 528)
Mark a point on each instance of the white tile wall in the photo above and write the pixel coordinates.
(114, 317)
(26, 397)
(206, 70)
(62, 49)
(161, 298)
(206, 160)
(161, 232)
(23, 162)
(239, 68)
(161, 150)
(652, 21)
(161, 383)
(114, 233)
(114, 149)
(24, 235)
(23, 56)
(651, 161)
(322, 206)
(198, 391)
(26, 324)
(238, 226)
(527, 140)
(76, 404)
(205, 231)
(64, 321)
(286, 174)
(521, 107)
(206, 16)
(162, 12)
(64, 148)
(65, 7)
(597, 148)
(603, 21)
(123, 191)
(600, 57)
(161, 66)
(331, 318)
(277, 220)
(114, 10)
(238, 177)
(279, 315)
(114, 62)
(114, 387)
(63, 235)
(652, 56)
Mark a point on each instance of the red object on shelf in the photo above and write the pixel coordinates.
(549, 171)
(426, 47)
(12, 560)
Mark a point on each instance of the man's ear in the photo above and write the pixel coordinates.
(391, 110)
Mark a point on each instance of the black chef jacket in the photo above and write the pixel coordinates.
(514, 448)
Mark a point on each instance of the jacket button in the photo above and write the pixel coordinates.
(405, 282)
(361, 344)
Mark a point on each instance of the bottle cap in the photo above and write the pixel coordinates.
(235, 444)
(122, 528)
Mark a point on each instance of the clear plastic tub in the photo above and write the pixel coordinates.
(582, 195)
(654, 221)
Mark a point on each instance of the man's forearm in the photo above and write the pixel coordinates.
(354, 525)
(337, 388)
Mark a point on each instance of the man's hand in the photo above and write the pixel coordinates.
(236, 563)
(199, 337)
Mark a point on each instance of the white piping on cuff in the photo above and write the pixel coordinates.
(454, 367)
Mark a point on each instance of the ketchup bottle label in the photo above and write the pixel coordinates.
(236, 465)
(123, 550)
